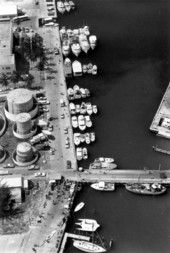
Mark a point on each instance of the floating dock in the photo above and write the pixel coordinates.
(161, 121)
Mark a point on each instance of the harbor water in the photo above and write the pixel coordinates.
(133, 73)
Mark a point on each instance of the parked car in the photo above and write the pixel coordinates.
(67, 144)
(40, 174)
(56, 52)
(34, 167)
(9, 165)
(68, 164)
(66, 130)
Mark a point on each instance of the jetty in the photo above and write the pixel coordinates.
(167, 152)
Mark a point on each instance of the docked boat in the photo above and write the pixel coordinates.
(77, 68)
(87, 92)
(72, 4)
(67, 6)
(79, 207)
(74, 121)
(92, 137)
(85, 46)
(83, 108)
(94, 70)
(103, 186)
(79, 154)
(89, 68)
(95, 110)
(93, 41)
(76, 139)
(77, 108)
(103, 166)
(67, 68)
(85, 153)
(81, 122)
(66, 48)
(104, 160)
(77, 92)
(72, 108)
(63, 32)
(88, 246)
(88, 225)
(146, 189)
(76, 49)
(61, 7)
(82, 138)
(86, 30)
(87, 138)
(70, 93)
(89, 108)
(88, 121)
(84, 68)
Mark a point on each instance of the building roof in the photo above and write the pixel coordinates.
(8, 9)
(7, 59)
(5, 37)
(11, 181)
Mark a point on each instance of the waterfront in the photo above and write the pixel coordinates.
(132, 57)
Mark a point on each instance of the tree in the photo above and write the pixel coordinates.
(15, 77)
(5, 201)
(4, 80)
(29, 79)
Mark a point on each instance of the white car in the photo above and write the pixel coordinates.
(67, 144)
(40, 174)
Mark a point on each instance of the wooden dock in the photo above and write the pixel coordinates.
(74, 236)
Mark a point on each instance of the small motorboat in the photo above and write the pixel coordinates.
(79, 207)
(89, 108)
(74, 121)
(62, 32)
(94, 70)
(95, 109)
(77, 92)
(88, 121)
(88, 225)
(83, 93)
(76, 139)
(72, 4)
(79, 154)
(72, 108)
(84, 68)
(103, 166)
(70, 93)
(81, 122)
(103, 186)
(85, 46)
(83, 108)
(67, 6)
(82, 138)
(87, 138)
(92, 137)
(86, 30)
(61, 7)
(146, 189)
(77, 108)
(93, 41)
(66, 48)
(104, 160)
(67, 67)
(88, 246)
(89, 68)
(85, 153)
(77, 68)
(76, 49)
(87, 92)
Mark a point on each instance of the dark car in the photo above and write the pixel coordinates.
(68, 164)
(9, 165)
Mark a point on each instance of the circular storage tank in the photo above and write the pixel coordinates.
(24, 152)
(24, 123)
(19, 100)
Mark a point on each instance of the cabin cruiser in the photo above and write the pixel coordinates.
(103, 166)
(83, 93)
(81, 122)
(74, 121)
(67, 67)
(85, 46)
(82, 138)
(87, 138)
(86, 30)
(92, 137)
(72, 108)
(77, 92)
(77, 68)
(87, 92)
(67, 6)
(83, 108)
(94, 70)
(79, 154)
(146, 189)
(88, 225)
(61, 7)
(85, 153)
(89, 108)
(88, 121)
(77, 108)
(93, 41)
(95, 110)
(84, 68)
(104, 160)
(66, 48)
(70, 94)
(103, 186)
(72, 4)
(76, 139)
(76, 49)
(63, 32)
(88, 246)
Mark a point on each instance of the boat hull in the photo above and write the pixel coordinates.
(140, 191)
(88, 247)
(107, 187)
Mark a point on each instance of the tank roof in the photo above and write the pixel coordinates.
(23, 117)
(24, 147)
(19, 96)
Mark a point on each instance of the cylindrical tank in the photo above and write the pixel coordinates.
(19, 100)
(1, 152)
(24, 123)
(24, 152)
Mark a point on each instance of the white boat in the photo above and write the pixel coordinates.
(72, 4)
(104, 160)
(86, 30)
(82, 138)
(103, 186)
(83, 108)
(88, 225)
(89, 68)
(88, 246)
(76, 139)
(72, 108)
(85, 153)
(76, 32)
(103, 166)
(70, 93)
(87, 138)
(66, 48)
(84, 68)
(81, 122)
(74, 121)
(77, 68)
(77, 108)
(88, 121)
(83, 93)
(79, 207)
(79, 154)
(61, 7)
(89, 108)
(94, 70)
(67, 6)
(62, 32)
(85, 46)
(92, 137)
(67, 67)
(87, 92)
(93, 41)
(76, 49)
(95, 110)
(77, 92)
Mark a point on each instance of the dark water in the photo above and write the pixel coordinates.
(133, 61)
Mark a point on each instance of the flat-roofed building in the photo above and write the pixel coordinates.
(8, 11)
(7, 59)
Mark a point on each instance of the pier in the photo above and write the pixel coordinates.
(74, 236)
